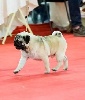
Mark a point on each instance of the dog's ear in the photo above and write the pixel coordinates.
(26, 38)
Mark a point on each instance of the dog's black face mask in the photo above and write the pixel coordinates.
(20, 41)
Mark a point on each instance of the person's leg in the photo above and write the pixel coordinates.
(75, 15)
(74, 11)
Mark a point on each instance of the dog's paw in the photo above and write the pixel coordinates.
(15, 72)
(65, 69)
(53, 69)
(47, 72)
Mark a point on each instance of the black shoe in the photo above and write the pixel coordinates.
(79, 32)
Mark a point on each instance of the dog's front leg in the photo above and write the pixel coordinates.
(20, 64)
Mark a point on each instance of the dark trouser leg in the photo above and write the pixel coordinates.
(74, 10)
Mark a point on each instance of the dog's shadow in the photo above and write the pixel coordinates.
(22, 78)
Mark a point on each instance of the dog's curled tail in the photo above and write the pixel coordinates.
(57, 33)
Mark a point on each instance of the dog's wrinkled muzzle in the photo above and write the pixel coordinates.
(19, 44)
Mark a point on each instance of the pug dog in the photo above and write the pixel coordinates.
(41, 48)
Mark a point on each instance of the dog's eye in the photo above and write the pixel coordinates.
(59, 34)
(22, 43)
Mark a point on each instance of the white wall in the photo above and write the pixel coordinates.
(58, 14)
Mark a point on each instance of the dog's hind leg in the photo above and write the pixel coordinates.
(60, 62)
(65, 60)
(46, 63)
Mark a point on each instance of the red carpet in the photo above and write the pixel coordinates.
(32, 84)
